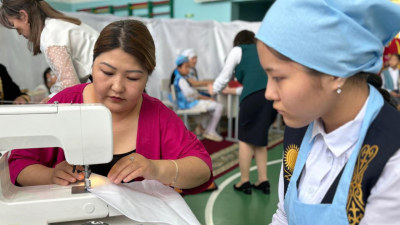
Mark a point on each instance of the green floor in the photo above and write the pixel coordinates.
(232, 207)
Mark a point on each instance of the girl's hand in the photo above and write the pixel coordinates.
(131, 167)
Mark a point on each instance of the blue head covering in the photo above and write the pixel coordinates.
(336, 37)
(180, 60)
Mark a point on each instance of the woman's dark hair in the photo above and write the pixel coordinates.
(373, 79)
(48, 70)
(132, 37)
(37, 12)
(244, 37)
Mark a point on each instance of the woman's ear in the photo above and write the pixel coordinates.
(338, 83)
(23, 15)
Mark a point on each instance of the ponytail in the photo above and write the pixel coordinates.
(37, 11)
(376, 81)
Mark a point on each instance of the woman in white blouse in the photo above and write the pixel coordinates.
(66, 42)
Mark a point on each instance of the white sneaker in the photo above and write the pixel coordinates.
(212, 136)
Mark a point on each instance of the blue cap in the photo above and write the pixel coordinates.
(335, 37)
(181, 59)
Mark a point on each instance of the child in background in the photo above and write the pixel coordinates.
(188, 98)
(391, 79)
(193, 77)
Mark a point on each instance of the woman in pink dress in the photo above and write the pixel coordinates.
(150, 140)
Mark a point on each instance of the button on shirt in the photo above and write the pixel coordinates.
(327, 158)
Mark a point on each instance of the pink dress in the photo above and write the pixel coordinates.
(161, 135)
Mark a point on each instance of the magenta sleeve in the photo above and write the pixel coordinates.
(49, 157)
(22, 158)
(177, 143)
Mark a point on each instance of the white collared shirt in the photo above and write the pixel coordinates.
(233, 59)
(328, 156)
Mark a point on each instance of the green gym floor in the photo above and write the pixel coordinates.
(228, 207)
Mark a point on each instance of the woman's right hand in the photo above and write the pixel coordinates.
(63, 175)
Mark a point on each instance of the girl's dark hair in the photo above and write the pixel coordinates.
(172, 78)
(48, 70)
(244, 37)
(37, 12)
(373, 79)
(132, 37)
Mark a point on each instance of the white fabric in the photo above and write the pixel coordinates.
(394, 74)
(144, 201)
(215, 110)
(210, 39)
(234, 58)
(190, 93)
(206, 105)
(189, 53)
(327, 158)
(68, 49)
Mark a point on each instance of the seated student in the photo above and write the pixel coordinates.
(391, 79)
(49, 78)
(9, 91)
(150, 140)
(193, 77)
(188, 98)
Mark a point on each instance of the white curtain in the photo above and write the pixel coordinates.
(212, 41)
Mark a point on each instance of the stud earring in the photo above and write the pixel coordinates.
(339, 90)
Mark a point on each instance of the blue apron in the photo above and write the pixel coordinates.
(299, 213)
(182, 102)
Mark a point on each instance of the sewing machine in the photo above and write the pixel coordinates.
(83, 131)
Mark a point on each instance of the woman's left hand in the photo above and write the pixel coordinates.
(127, 169)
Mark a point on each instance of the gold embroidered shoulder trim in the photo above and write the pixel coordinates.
(289, 160)
(355, 203)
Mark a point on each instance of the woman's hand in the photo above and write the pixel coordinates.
(20, 100)
(229, 91)
(210, 89)
(127, 169)
(44, 101)
(63, 175)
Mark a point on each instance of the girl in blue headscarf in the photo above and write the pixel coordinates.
(341, 161)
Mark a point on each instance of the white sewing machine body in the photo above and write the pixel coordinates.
(83, 131)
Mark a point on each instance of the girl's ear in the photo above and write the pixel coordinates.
(23, 15)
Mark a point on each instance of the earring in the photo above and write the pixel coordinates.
(339, 90)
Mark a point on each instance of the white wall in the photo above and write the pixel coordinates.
(212, 40)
